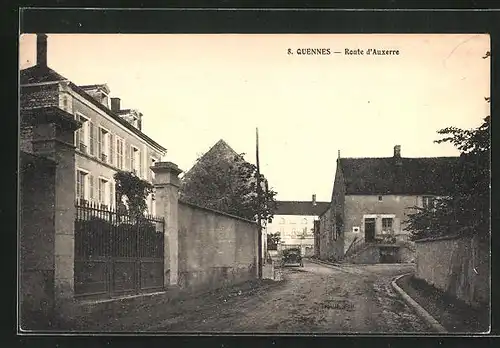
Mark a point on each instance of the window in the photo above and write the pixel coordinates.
(101, 191)
(119, 153)
(102, 136)
(111, 194)
(386, 225)
(428, 202)
(134, 159)
(151, 173)
(80, 185)
(81, 134)
(282, 221)
(380, 198)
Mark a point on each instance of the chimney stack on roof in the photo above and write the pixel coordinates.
(41, 49)
(314, 199)
(397, 151)
(397, 155)
(115, 104)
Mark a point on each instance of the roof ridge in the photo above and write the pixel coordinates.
(391, 157)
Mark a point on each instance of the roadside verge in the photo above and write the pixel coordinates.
(454, 315)
(419, 309)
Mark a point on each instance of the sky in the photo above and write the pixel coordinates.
(196, 89)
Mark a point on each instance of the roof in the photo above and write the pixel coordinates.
(41, 74)
(432, 175)
(220, 149)
(300, 208)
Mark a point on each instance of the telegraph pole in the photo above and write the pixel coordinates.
(259, 236)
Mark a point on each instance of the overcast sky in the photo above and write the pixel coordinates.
(196, 89)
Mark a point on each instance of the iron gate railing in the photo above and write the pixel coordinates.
(115, 254)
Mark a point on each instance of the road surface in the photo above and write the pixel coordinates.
(313, 299)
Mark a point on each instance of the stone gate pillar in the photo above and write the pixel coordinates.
(52, 252)
(166, 183)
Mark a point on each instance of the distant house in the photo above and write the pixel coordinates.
(294, 221)
(365, 220)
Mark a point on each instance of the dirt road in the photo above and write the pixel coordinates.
(313, 299)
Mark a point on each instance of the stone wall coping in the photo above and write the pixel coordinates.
(217, 212)
(449, 237)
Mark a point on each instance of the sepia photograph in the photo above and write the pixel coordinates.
(254, 183)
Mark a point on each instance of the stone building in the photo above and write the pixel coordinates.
(294, 221)
(110, 138)
(371, 200)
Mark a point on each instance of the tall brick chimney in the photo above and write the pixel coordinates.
(41, 50)
(115, 104)
(397, 151)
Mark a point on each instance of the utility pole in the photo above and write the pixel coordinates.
(259, 236)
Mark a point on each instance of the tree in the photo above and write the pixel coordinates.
(467, 209)
(135, 190)
(273, 240)
(228, 184)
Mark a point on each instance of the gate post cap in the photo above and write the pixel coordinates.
(163, 167)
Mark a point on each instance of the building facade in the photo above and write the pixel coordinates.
(294, 222)
(372, 198)
(110, 139)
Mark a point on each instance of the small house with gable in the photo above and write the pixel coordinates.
(371, 200)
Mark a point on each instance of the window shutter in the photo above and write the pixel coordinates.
(99, 143)
(95, 142)
(127, 156)
(91, 138)
(111, 149)
(141, 165)
(397, 225)
(91, 187)
(111, 194)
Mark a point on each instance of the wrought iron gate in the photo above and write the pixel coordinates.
(116, 254)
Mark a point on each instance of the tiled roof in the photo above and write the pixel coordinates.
(433, 175)
(40, 74)
(300, 208)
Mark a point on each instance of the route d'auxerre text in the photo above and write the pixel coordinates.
(346, 51)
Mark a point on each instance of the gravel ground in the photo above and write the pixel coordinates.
(313, 299)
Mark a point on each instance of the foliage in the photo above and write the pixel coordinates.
(135, 190)
(273, 240)
(467, 209)
(229, 184)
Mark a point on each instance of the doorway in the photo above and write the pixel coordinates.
(369, 230)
